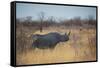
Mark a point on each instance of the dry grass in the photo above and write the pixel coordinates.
(80, 47)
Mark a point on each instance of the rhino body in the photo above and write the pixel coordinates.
(48, 41)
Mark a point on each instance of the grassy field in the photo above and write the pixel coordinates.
(80, 47)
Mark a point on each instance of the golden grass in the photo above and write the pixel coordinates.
(80, 47)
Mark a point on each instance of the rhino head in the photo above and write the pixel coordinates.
(65, 37)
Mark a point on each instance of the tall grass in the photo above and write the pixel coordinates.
(80, 47)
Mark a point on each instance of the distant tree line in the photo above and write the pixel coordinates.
(52, 22)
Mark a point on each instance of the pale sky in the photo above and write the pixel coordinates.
(57, 11)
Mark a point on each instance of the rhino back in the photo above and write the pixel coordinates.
(48, 41)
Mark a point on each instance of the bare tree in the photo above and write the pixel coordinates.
(28, 19)
(51, 19)
(41, 16)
